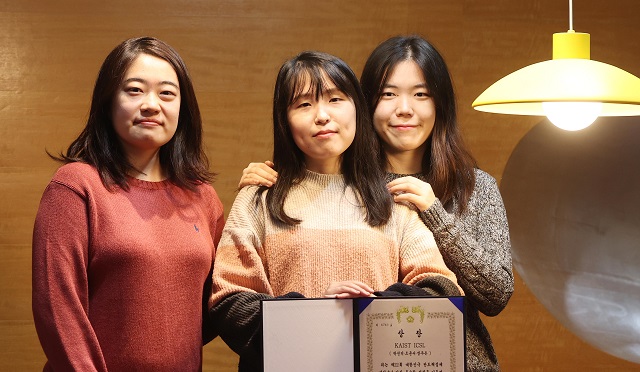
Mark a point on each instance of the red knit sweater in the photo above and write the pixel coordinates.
(119, 278)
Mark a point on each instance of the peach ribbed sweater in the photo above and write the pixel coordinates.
(333, 243)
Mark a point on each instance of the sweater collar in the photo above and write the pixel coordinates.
(392, 176)
(161, 185)
(321, 181)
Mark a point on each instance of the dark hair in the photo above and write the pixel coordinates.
(361, 162)
(183, 157)
(447, 164)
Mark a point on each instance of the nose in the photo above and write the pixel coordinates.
(322, 116)
(150, 103)
(404, 107)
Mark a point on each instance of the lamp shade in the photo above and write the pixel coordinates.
(570, 77)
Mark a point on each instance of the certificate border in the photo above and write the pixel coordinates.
(450, 316)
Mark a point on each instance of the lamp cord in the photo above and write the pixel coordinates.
(570, 15)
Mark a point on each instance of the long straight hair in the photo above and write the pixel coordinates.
(447, 164)
(360, 163)
(183, 157)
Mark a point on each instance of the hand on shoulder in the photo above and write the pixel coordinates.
(259, 174)
(412, 190)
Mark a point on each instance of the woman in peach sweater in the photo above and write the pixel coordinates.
(328, 227)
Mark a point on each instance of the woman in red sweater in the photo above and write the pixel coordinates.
(125, 235)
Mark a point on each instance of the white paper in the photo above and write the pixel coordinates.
(309, 335)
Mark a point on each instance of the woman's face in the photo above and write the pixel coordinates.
(405, 115)
(323, 128)
(147, 105)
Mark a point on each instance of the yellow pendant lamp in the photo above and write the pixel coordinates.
(571, 89)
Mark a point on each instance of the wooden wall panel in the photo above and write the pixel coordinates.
(50, 53)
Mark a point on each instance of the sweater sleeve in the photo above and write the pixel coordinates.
(421, 263)
(239, 264)
(239, 278)
(478, 251)
(60, 297)
(237, 317)
(239, 320)
(216, 224)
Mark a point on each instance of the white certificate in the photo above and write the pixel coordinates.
(411, 334)
(310, 335)
(378, 334)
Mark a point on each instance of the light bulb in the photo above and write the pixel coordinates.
(572, 115)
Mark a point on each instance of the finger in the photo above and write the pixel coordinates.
(408, 180)
(251, 167)
(254, 179)
(408, 199)
(248, 180)
(421, 202)
(348, 288)
(260, 168)
(359, 288)
(269, 175)
(405, 179)
(258, 174)
(343, 289)
(406, 188)
(266, 172)
(363, 286)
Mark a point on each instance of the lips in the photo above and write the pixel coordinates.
(147, 121)
(324, 133)
(404, 125)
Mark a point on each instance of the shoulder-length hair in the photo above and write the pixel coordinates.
(447, 164)
(361, 161)
(183, 157)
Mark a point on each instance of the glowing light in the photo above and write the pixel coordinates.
(572, 115)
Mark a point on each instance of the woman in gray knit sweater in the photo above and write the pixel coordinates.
(412, 103)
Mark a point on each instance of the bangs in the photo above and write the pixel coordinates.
(312, 79)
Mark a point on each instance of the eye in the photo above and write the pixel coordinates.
(303, 104)
(336, 99)
(168, 93)
(387, 94)
(132, 90)
(423, 95)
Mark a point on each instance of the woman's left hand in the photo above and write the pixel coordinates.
(348, 289)
(412, 190)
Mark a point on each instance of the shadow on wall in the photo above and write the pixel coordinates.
(573, 202)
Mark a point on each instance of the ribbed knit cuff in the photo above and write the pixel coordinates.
(434, 216)
(438, 286)
(401, 290)
(291, 295)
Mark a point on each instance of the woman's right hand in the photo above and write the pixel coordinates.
(348, 289)
(412, 190)
(260, 174)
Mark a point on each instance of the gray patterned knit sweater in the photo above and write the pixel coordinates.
(477, 248)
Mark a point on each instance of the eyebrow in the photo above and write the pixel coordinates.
(333, 91)
(139, 80)
(328, 92)
(421, 85)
